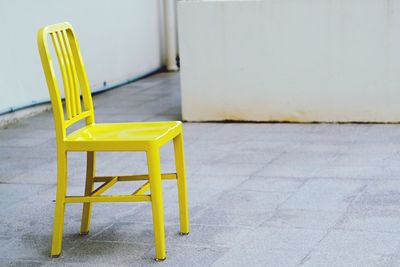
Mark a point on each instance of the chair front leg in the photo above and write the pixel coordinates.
(182, 193)
(153, 162)
(60, 203)
(87, 207)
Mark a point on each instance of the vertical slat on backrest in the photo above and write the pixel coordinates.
(68, 73)
(74, 76)
(57, 48)
(82, 77)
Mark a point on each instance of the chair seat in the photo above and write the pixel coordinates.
(122, 136)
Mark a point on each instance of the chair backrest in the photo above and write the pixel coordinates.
(75, 81)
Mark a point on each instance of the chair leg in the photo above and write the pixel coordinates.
(60, 204)
(182, 193)
(153, 162)
(87, 207)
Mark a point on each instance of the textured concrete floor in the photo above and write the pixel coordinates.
(259, 194)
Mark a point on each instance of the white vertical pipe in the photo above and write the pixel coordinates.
(170, 35)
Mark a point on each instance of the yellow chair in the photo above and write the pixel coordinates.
(147, 137)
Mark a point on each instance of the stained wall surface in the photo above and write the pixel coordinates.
(284, 60)
(119, 39)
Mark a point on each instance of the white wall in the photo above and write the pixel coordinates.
(119, 39)
(290, 60)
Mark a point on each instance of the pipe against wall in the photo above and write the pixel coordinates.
(170, 35)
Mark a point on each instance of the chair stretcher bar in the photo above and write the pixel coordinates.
(126, 198)
(136, 177)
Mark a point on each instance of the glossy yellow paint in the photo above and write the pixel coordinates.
(147, 137)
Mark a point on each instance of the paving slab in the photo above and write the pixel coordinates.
(354, 248)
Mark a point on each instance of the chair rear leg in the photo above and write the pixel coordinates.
(153, 162)
(182, 193)
(60, 204)
(87, 207)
